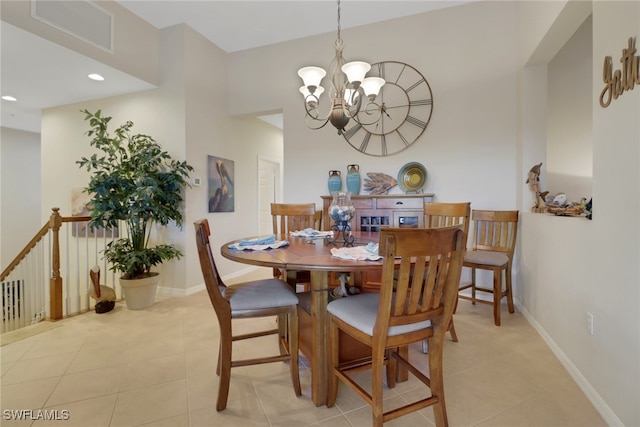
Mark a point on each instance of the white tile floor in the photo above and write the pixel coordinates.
(156, 367)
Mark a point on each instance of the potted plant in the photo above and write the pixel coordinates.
(136, 182)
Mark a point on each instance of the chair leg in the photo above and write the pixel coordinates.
(283, 331)
(436, 377)
(497, 295)
(224, 366)
(473, 285)
(293, 349)
(377, 366)
(392, 368)
(452, 331)
(402, 373)
(219, 357)
(455, 307)
(334, 360)
(509, 290)
(454, 337)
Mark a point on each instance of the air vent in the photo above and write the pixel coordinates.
(81, 19)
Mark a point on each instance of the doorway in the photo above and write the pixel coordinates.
(268, 192)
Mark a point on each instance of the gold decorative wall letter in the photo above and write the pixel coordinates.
(622, 80)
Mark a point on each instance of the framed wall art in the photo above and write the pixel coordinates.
(220, 176)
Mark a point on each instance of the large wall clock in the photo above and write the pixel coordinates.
(404, 107)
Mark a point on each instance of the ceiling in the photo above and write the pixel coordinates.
(42, 74)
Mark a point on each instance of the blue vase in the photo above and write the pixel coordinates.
(353, 179)
(335, 181)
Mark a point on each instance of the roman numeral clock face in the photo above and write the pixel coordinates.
(404, 107)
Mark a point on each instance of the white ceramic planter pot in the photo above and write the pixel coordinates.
(140, 293)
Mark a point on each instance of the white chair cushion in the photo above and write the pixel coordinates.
(360, 312)
(486, 257)
(258, 294)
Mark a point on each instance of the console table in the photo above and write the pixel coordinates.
(374, 212)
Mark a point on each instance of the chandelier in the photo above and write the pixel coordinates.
(351, 93)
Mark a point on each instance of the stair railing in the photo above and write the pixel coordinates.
(64, 246)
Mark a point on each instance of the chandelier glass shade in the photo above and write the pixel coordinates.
(351, 94)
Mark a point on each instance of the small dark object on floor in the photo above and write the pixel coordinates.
(104, 306)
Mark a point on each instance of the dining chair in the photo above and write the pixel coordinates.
(317, 220)
(292, 217)
(494, 241)
(416, 305)
(447, 215)
(258, 298)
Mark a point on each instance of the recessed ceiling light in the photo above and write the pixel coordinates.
(96, 77)
(9, 98)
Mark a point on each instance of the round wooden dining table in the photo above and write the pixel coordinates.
(315, 256)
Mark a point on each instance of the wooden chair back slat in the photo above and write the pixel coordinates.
(495, 231)
(289, 217)
(212, 280)
(447, 215)
(418, 292)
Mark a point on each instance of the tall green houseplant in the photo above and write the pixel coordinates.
(135, 181)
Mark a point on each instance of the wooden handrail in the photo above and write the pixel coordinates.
(55, 282)
(34, 241)
(23, 253)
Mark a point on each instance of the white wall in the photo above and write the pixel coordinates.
(474, 84)
(488, 128)
(19, 191)
(187, 116)
(616, 189)
(484, 135)
(569, 162)
(571, 266)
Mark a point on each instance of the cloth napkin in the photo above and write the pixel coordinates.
(259, 243)
(266, 240)
(358, 253)
(310, 232)
(276, 244)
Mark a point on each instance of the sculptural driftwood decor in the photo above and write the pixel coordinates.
(379, 183)
(533, 180)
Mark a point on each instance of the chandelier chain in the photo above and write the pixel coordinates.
(339, 38)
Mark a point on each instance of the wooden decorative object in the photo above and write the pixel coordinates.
(533, 180)
(622, 80)
(379, 183)
(575, 210)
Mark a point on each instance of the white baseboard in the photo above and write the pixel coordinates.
(601, 406)
(165, 292)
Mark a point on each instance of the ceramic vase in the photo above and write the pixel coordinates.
(335, 181)
(353, 179)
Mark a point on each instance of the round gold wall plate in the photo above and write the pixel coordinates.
(411, 177)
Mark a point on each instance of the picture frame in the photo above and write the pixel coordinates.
(220, 180)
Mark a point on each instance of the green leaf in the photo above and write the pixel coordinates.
(137, 182)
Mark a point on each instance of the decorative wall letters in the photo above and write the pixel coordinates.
(622, 80)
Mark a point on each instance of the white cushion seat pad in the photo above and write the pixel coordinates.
(260, 294)
(494, 258)
(360, 311)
